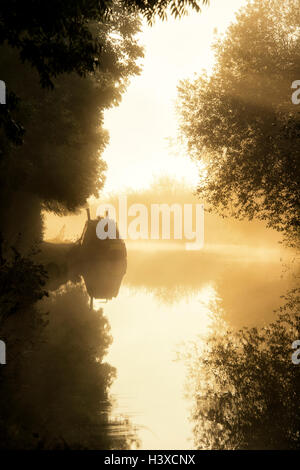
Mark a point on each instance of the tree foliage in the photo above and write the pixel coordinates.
(241, 120)
(86, 51)
(60, 159)
(57, 37)
(22, 283)
(161, 8)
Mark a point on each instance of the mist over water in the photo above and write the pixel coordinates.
(113, 369)
(166, 300)
(168, 297)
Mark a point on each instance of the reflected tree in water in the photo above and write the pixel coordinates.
(55, 387)
(245, 388)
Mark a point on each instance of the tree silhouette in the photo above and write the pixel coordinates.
(59, 164)
(22, 283)
(58, 37)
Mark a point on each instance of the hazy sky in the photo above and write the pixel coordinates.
(139, 127)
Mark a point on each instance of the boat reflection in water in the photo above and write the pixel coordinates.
(101, 263)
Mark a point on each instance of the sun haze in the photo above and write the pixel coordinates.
(139, 128)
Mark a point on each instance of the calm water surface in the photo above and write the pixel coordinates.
(165, 301)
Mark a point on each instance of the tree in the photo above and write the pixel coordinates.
(60, 160)
(162, 8)
(61, 37)
(241, 120)
(57, 37)
(22, 283)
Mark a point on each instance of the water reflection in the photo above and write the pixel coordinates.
(110, 379)
(244, 387)
(100, 263)
(166, 300)
(244, 278)
(149, 384)
(55, 390)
